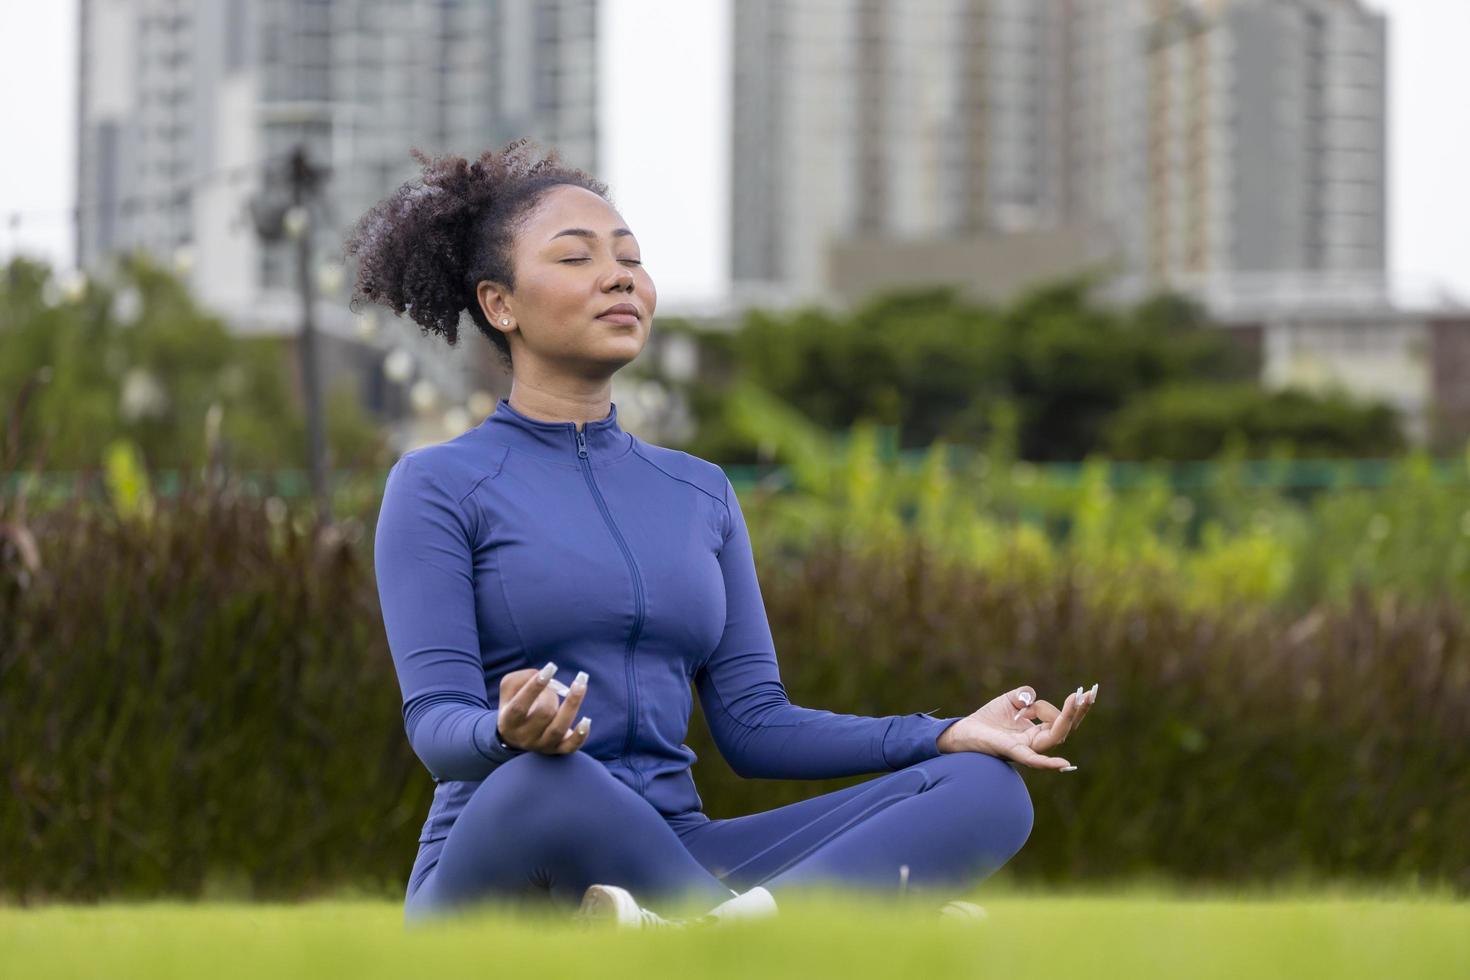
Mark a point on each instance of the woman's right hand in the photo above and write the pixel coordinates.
(530, 719)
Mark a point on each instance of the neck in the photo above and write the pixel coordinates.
(602, 439)
(577, 407)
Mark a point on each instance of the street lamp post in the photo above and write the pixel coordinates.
(291, 218)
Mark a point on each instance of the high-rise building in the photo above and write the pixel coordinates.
(856, 118)
(1266, 139)
(1192, 141)
(183, 104)
(1104, 124)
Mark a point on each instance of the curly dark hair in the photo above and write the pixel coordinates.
(425, 248)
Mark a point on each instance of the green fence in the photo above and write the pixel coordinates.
(1286, 475)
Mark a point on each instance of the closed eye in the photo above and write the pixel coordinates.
(585, 258)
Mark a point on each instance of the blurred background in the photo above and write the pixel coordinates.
(1050, 341)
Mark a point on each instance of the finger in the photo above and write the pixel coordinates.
(543, 709)
(1042, 710)
(1036, 760)
(576, 737)
(537, 726)
(555, 729)
(515, 712)
(1071, 713)
(1079, 703)
(511, 681)
(1060, 726)
(1089, 698)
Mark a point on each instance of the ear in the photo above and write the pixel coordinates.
(494, 302)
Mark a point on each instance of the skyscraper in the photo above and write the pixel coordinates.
(1194, 141)
(858, 117)
(1266, 139)
(183, 103)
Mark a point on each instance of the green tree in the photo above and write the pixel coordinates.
(932, 365)
(135, 358)
(1194, 422)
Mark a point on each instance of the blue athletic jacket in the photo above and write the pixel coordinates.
(523, 541)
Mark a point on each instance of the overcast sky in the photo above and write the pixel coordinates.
(663, 103)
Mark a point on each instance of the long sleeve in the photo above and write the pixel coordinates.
(757, 729)
(422, 558)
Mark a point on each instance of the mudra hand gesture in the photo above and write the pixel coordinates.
(531, 717)
(1005, 728)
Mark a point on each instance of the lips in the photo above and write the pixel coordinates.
(621, 308)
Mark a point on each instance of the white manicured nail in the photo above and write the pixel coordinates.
(545, 672)
(580, 681)
(1066, 768)
(583, 726)
(1025, 697)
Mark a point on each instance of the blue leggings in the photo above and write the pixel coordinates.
(546, 826)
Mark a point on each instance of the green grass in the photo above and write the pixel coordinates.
(1131, 935)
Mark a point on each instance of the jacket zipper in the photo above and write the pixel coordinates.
(638, 600)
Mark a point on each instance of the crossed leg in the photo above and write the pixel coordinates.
(953, 820)
(547, 826)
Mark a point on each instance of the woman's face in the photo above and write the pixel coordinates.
(573, 258)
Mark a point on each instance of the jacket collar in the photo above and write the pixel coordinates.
(604, 438)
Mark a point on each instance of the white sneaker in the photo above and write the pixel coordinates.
(959, 911)
(609, 903)
(754, 904)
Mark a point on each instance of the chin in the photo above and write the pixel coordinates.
(631, 340)
(619, 353)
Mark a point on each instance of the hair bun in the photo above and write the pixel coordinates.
(424, 249)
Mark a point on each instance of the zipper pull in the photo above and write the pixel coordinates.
(581, 444)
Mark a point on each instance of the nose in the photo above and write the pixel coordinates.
(623, 280)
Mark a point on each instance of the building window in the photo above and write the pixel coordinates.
(235, 35)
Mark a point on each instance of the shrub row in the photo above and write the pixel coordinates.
(198, 697)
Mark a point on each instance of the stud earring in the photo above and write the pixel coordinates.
(505, 322)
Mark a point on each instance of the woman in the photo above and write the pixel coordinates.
(549, 540)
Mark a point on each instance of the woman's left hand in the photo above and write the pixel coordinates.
(1004, 727)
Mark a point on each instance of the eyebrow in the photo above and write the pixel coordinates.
(587, 233)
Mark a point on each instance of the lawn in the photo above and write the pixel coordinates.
(1131, 934)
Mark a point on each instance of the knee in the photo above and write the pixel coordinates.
(996, 795)
(565, 764)
(541, 785)
(567, 768)
(533, 800)
(567, 802)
